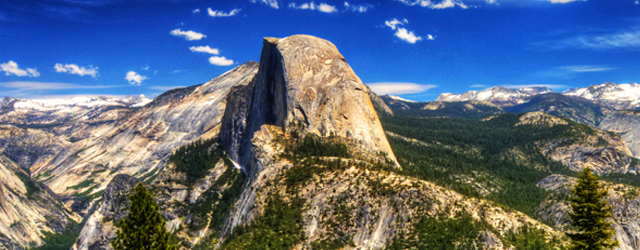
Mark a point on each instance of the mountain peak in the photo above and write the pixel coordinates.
(497, 95)
(302, 81)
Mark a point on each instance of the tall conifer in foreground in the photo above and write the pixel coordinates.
(143, 228)
(589, 215)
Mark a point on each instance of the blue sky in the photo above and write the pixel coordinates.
(416, 49)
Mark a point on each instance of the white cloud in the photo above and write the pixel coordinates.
(145, 67)
(624, 40)
(393, 24)
(271, 3)
(402, 33)
(219, 13)
(205, 49)
(76, 70)
(399, 88)
(135, 78)
(189, 35)
(358, 7)
(11, 68)
(322, 7)
(430, 37)
(196, 11)
(407, 36)
(637, 2)
(220, 61)
(435, 4)
(492, 2)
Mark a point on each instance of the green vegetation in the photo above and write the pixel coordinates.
(441, 232)
(589, 214)
(60, 241)
(532, 239)
(31, 185)
(312, 145)
(197, 158)
(280, 227)
(81, 185)
(468, 110)
(143, 227)
(218, 200)
(462, 147)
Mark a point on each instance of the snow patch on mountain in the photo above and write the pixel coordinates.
(500, 96)
(616, 96)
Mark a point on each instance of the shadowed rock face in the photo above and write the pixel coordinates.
(627, 123)
(302, 80)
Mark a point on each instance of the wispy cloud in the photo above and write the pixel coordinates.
(621, 40)
(189, 35)
(12, 68)
(270, 3)
(29, 89)
(165, 88)
(26, 85)
(220, 61)
(568, 72)
(402, 33)
(219, 13)
(205, 49)
(362, 8)
(195, 11)
(399, 88)
(76, 70)
(434, 4)
(564, 1)
(551, 86)
(135, 78)
(475, 86)
(585, 68)
(322, 7)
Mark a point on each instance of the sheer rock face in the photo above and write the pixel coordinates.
(303, 80)
(627, 124)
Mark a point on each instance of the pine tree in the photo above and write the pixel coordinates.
(589, 215)
(143, 228)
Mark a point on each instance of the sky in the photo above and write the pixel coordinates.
(415, 49)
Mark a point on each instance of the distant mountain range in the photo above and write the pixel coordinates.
(610, 95)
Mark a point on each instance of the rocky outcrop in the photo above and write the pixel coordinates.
(140, 142)
(603, 152)
(99, 228)
(28, 209)
(624, 199)
(302, 80)
(30, 148)
(627, 124)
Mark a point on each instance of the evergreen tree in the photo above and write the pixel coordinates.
(589, 215)
(143, 228)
